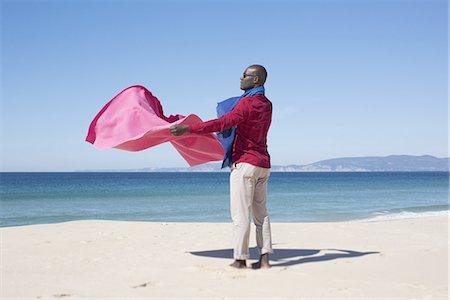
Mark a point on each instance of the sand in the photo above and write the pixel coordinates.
(401, 259)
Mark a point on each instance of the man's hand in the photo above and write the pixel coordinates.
(179, 129)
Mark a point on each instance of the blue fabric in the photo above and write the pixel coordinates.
(227, 137)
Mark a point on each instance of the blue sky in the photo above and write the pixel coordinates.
(346, 78)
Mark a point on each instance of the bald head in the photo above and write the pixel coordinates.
(254, 75)
(259, 71)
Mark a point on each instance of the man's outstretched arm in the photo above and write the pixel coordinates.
(233, 118)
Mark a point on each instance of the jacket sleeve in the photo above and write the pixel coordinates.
(233, 118)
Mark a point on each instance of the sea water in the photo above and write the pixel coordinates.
(36, 198)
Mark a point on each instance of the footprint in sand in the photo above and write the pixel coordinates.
(61, 295)
(147, 284)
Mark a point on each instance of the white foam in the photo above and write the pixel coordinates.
(407, 215)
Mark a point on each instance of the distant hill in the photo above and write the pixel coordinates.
(392, 163)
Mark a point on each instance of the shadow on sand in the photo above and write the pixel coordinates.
(289, 257)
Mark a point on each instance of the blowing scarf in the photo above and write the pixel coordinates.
(226, 137)
(134, 120)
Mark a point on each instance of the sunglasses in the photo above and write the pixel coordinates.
(248, 75)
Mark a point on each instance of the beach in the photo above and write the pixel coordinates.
(402, 259)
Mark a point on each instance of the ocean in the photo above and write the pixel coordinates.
(38, 198)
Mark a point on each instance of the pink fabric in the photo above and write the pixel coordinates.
(134, 120)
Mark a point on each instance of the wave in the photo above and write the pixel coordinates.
(410, 213)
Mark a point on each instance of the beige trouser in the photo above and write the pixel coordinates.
(248, 189)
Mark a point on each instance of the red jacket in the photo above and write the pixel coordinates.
(252, 116)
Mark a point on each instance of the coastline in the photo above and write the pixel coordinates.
(401, 258)
(374, 217)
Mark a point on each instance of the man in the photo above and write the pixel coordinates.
(250, 167)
